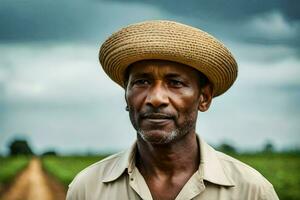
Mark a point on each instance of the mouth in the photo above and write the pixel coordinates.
(157, 117)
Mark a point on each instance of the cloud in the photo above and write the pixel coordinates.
(88, 21)
(284, 72)
(53, 74)
(222, 11)
(272, 24)
(44, 20)
(268, 22)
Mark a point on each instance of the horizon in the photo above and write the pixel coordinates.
(95, 152)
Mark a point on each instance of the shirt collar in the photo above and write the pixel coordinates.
(213, 171)
(125, 161)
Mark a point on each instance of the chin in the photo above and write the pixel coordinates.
(158, 136)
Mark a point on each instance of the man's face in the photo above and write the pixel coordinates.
(163, 99)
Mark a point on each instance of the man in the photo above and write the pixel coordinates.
(169, 71)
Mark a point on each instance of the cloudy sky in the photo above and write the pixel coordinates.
(54, 93)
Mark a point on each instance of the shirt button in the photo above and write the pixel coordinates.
(131, 179)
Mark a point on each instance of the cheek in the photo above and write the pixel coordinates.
(187, 108)
(135, 99)
(186, 101)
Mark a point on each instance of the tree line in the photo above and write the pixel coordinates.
(22, 147)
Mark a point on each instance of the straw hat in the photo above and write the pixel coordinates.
(168, 40)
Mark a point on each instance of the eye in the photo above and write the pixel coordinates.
(141, 82)
(176, 83)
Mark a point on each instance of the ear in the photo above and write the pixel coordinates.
(125, 96)
(206, 95)
(126, 107)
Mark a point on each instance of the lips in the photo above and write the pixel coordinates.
(157, 118)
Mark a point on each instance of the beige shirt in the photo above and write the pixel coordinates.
(219, 177)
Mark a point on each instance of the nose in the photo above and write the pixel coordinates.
(157, 96)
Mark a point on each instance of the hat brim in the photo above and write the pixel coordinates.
(172, 41)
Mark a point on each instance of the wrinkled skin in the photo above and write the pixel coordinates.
(163, 99)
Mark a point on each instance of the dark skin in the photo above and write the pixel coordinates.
(163, 99)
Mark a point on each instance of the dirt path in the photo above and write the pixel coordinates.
(34, 184)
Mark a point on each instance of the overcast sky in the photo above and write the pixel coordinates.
(54, 93)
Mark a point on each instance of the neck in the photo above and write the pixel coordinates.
(176, 157)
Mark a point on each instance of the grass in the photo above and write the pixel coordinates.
(10, 167)
(65, 168)
(282, 170)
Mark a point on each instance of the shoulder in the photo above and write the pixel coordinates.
(98, 169)
(241, 172)
(90, 179)
(246, 178)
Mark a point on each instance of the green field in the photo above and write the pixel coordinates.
(65, 168)
(282, 170)
(10, 167)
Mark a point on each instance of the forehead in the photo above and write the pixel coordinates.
(161, 68)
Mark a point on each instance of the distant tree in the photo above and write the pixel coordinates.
(269, 147)
(227, 148)
(49, 153)
(19, 147)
